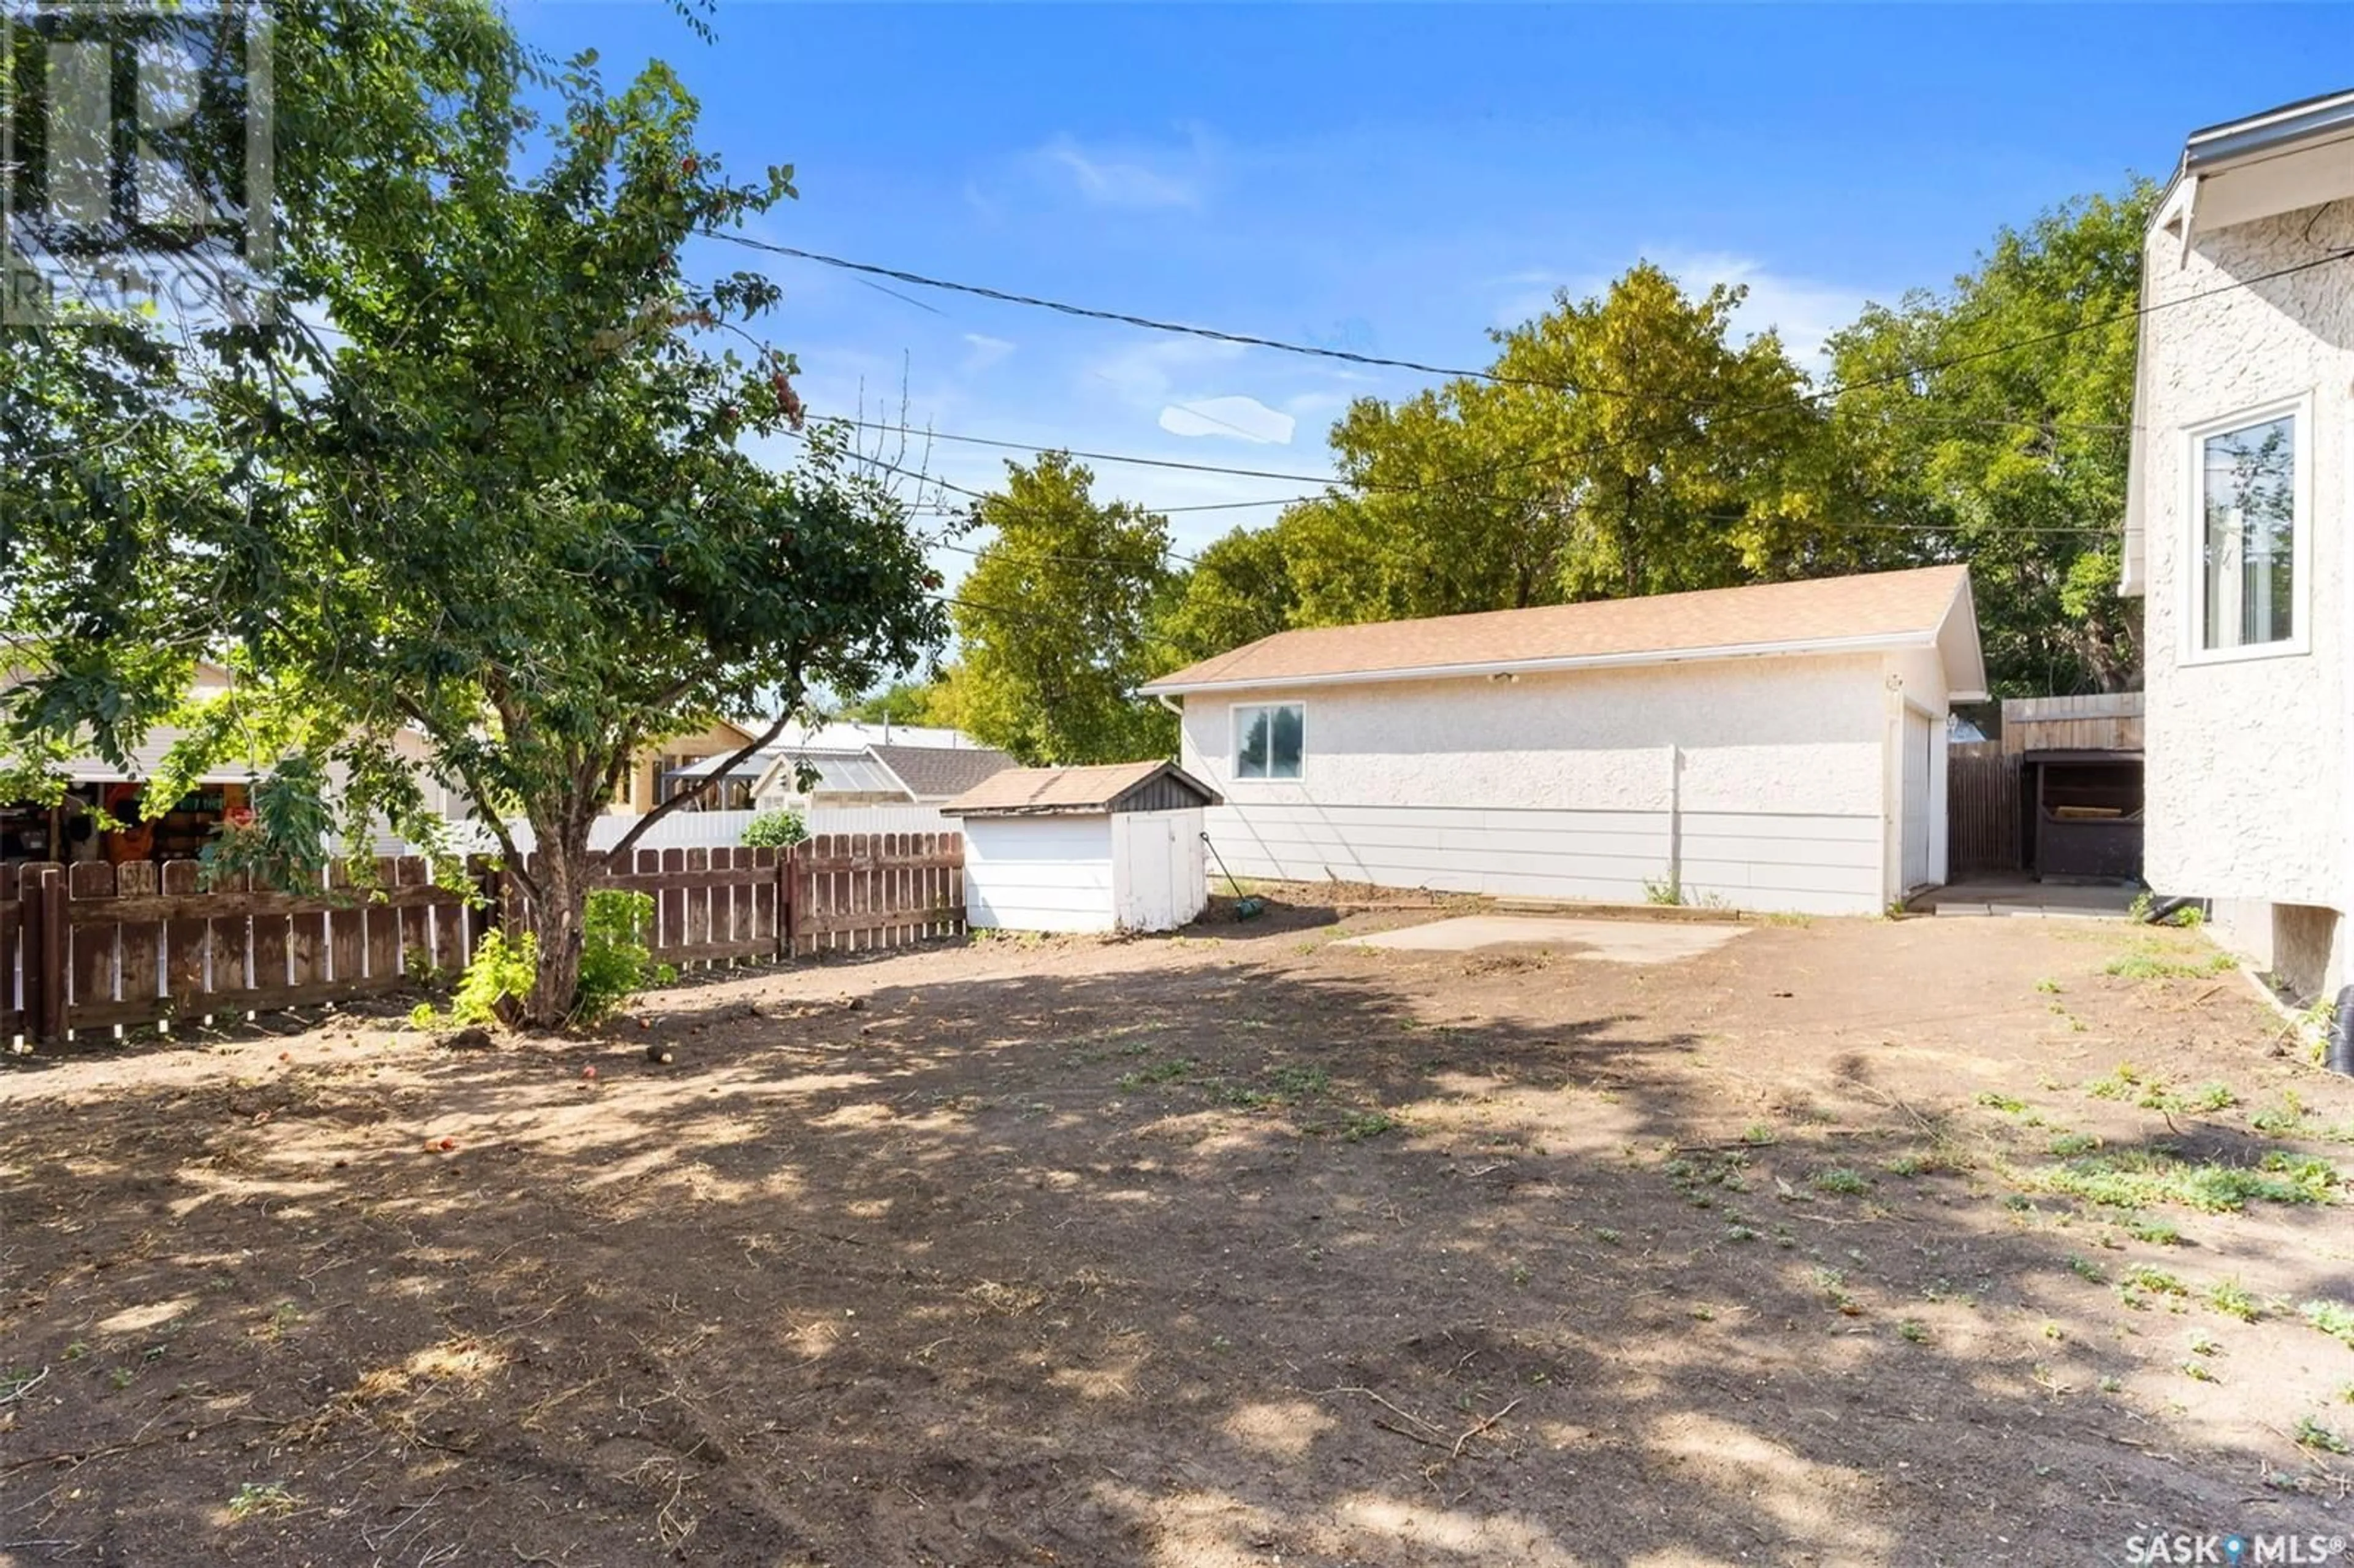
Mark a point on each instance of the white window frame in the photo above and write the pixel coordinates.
(2192, 599)
(1235, 742)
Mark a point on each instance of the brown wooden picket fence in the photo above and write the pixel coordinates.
(90, 947)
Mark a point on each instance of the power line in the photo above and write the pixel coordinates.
(1078, 560)
(2134, 313)
(1095, 457)
(1124, 318)
(1318, 351)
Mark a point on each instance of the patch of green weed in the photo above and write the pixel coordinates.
(2334, 1318)
(262, 1497)
(2148, 961)
(2142, 1177)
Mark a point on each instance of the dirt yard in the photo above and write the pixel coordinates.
(1850, 1242)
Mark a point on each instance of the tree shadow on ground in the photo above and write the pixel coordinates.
(1191, 1264)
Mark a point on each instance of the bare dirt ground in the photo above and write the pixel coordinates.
(1237, 1247)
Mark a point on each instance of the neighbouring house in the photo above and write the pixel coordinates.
(1085, 849)
(659, 770)
(2236, 539)
(935, 775)
(97, 790)
(679, 763)
(846, 764)
(1773, 748)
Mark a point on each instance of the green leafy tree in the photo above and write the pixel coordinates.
(1685, 460)
(1627, 445)
(1992, 425)
(901, 702)
(495, 523)
(1239, 590)
(1056, 622)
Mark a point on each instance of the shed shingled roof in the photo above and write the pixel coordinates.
(1070, 791)
(1890, 606)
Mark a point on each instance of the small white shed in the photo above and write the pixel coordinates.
(1085, 849)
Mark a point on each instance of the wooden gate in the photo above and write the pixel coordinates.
(1982, 809)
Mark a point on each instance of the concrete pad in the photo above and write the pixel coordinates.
(1611, 941)
(2024, 895)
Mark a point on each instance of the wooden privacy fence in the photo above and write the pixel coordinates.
(856, 890)
(93, 946)
(1982, 810)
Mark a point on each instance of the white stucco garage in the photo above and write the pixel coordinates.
(1773, 748)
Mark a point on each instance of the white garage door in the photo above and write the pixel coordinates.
(1920, 733)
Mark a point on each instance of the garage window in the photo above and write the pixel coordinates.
(1270, 740)
(2252, 548)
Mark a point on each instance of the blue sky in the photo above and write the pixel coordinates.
(1390, 179)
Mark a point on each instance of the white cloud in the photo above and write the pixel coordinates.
(1146, 372)
(1131, 178)
(1235, 417)
(984, 351)
(1805, 311)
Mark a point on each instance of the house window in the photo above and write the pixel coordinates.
(1270, 740)
(2249, 493)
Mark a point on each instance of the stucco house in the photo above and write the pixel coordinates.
(1779, 746)
(2237, 534)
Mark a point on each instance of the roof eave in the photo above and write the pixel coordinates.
(1972, 687)
(2255, 135)
(1092, 808)
(1863, 643)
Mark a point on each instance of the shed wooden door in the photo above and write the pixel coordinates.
(1157, 869)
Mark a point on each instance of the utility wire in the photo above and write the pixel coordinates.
(1318, 351)
(1095, 457)
(1123, 318)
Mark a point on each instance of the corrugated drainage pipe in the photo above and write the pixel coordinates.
(2338, 1055)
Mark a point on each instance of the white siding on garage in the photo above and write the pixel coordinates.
(1764, 783)
(1552, 853)
(1802, 863)
(1039, 873)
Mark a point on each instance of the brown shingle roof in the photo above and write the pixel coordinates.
(932, 771)
(1880, 606)
(1042, 791)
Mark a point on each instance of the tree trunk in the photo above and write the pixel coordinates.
(564, 868)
